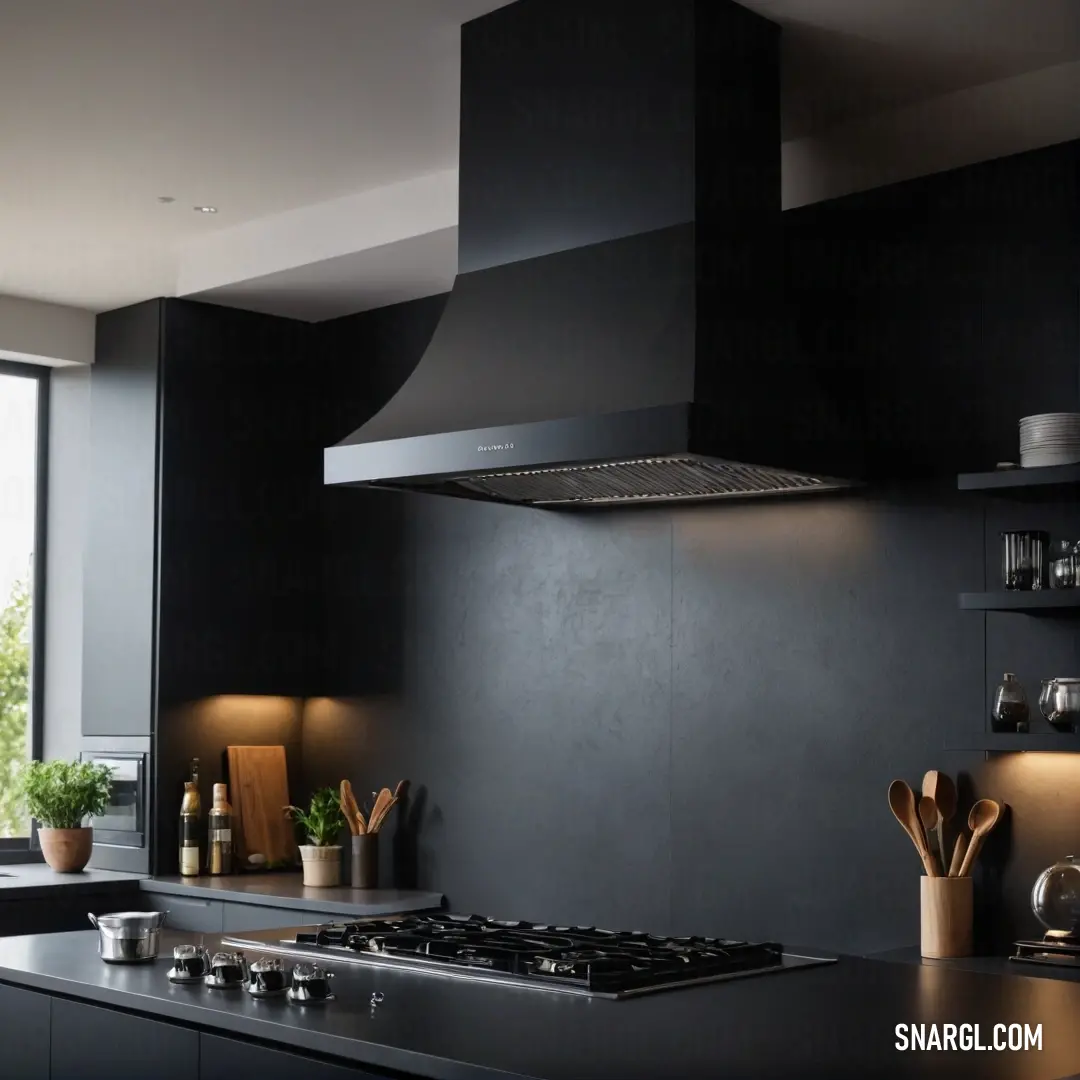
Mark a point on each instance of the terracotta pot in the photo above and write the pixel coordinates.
(322, 865)
(67, 851)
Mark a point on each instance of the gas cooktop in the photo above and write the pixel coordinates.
(569, 959)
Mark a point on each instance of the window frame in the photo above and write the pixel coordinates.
(18, 848)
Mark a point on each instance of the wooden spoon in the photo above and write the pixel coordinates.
(940, 787)
(902, 804)
(984, 815)
(378, 811)
(931, 819)
(347, 802)
(958, 855)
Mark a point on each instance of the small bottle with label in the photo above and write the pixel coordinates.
(219, 850)
(190, 812)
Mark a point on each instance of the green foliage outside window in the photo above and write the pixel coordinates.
(14, 705)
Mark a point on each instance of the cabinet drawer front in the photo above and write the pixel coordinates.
(186, 912)
(254, 917)
(89, 1043)
(225, 1059)
(24, 1034)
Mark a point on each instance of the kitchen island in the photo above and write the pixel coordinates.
(65, 1014)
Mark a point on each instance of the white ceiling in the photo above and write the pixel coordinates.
(261, 107)
(253, 106)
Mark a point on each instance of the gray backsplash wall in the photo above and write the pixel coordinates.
(686, 720)
(683, 720)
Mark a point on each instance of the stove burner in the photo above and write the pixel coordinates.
(599, 961)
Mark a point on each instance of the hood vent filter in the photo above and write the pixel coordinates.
(635, 481)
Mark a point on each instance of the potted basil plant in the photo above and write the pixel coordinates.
(322, 823)
(60, 796)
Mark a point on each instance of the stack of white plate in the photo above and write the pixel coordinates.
(1050, 439)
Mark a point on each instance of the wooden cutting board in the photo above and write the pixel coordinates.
(259, 788)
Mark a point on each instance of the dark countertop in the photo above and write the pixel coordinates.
(288, 891)
(987, 965)
(27, 881)
(836, 1021)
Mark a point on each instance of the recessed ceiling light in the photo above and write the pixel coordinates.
(206, 209)
(165, 199)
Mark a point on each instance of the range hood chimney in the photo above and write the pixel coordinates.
(616, 332)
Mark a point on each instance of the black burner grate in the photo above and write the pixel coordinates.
(600, 961)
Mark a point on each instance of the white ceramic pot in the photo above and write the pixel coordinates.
(322, 865)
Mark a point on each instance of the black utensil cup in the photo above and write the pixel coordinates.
(364, 867)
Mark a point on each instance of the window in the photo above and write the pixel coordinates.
(24, 402)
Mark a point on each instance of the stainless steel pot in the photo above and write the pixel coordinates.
(129, 937)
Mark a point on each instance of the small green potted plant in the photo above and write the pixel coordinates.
(60, 795)
(322, 822)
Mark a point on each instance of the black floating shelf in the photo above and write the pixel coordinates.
(1044, 600)
(1067, 742)
(1049, 482)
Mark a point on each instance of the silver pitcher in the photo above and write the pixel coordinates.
(1059, 702)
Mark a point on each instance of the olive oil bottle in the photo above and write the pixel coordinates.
(219, 849)
(190, 813)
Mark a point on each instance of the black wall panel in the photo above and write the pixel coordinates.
(943, 309)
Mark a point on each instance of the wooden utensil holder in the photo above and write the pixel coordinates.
(946, 916)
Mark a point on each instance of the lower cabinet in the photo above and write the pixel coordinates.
(90, 1043)
(251, 917)
(186, 912)
(24, 1034)
(227, 1059)
(48, 1038)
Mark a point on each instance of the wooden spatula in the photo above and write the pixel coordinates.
(940, 787)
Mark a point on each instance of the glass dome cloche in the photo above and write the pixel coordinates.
(1055, 897)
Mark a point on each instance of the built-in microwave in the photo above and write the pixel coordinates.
(121, 834)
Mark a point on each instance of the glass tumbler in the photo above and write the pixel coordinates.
(1063, 565)
(1023, 559)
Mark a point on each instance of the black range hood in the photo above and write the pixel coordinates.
(616, 333)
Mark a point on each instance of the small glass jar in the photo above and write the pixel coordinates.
(1010, 709)
(1023, 559)
(1063, 564)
